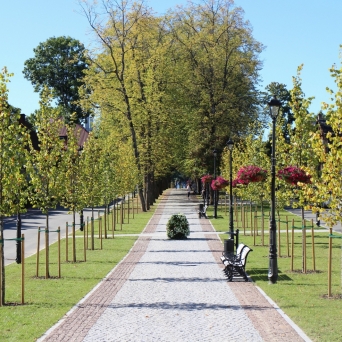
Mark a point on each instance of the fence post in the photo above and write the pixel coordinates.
(313, 246)
(330, 262)
(66, 242)
(59, 251)
(46, 253)
(287, 236)
(22, 268)
(37, 259)
(292, 245)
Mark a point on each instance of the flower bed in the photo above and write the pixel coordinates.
(251, 174)
(177, 227)
(293, 175)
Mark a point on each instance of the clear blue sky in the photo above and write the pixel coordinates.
(293, 32)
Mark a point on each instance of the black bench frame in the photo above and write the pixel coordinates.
(202, 212)
(235, 264)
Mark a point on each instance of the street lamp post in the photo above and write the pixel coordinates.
(230, 145)
(215, 191)
(229, 244)
(274, 105)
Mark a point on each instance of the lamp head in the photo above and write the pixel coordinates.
(274, 105)
(230, 144)
(215, 153)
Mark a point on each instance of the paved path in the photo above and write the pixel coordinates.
(174, 290)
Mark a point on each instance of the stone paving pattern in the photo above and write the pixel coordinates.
(173, 290)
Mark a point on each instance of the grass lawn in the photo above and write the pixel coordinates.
(47, 300)
(303, 297)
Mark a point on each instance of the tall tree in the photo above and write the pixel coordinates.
(126, 82)
(59, 64)
(284, 96)
(218, 70)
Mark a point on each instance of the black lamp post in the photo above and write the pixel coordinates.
(215, 191)
(274, 105)
(230, 145)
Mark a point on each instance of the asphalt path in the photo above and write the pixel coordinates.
(308, 215)
(30, 222)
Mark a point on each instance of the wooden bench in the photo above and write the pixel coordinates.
(235, 264)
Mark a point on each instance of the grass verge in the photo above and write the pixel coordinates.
(303, 297)
(47, 300)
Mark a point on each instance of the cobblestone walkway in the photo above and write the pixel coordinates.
(173, 290)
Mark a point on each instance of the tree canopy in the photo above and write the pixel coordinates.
(59, 64)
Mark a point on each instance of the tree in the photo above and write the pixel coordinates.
(46, 166)
(284, 96)
(13, 140)
(126, 83)
(59, 64)
(217, 70)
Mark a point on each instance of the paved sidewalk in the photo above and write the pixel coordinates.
(174, 290)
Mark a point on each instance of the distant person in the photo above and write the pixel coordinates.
(188, 188)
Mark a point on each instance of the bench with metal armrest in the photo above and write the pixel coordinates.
(235, 264)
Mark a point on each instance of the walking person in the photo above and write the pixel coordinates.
(188, 188)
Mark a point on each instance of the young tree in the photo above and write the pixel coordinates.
(73, 195)
(13, 183)
(328, 179)
(59, 64)
(47, 165)
(91, 176)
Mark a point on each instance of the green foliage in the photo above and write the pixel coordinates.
(303, 297)
(328, 179)
(177, 227)
(284, 96)
(13, 139)
(13, 181)
(217, 72)
(47, 166)
(59, 64)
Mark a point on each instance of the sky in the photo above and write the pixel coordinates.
(294, 32)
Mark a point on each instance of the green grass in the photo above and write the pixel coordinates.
(47, 300)
(303, 297)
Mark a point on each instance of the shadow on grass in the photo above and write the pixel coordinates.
(261, 274)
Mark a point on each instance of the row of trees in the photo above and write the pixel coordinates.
(59, 171)
(306, 146)
(174, 87)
